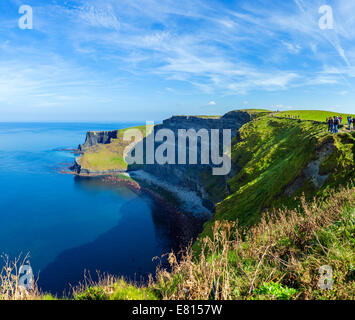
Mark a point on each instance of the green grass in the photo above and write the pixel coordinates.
(315, 115)
(273, 291)
(271, 154)
(117, 289)
(125, 291)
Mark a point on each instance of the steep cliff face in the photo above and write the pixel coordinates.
(98, 137)
(197, 177)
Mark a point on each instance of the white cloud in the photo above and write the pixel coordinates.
(99, 16)
(212, 103)
(293, 48)
(54, 83)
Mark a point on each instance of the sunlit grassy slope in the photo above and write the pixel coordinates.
(271, 153)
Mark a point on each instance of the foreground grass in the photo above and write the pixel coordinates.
(279, 258)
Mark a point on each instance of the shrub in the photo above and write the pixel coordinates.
(272, 290)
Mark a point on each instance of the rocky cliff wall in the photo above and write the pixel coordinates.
(197, 177)
(98, 137)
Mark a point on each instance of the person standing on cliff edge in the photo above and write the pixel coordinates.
(336, 124)
(349, 122)
(331, 124)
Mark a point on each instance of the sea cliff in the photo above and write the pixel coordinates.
(194, 177)
(274, 160)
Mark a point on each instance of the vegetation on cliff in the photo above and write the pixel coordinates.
(270, 154)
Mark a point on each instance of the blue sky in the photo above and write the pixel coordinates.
(120, 60)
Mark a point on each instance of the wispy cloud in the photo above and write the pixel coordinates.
(99, 16)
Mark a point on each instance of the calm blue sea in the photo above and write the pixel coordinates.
(68, 224)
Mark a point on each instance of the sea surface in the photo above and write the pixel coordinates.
(67, 224)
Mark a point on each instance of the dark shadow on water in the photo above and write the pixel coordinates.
(143, 232)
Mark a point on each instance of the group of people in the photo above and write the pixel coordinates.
(334, 122)
(292, 116)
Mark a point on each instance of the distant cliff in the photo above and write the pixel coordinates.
(232, 120)
(98, 137)
(103, 145)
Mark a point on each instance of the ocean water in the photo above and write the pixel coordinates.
(68, 224)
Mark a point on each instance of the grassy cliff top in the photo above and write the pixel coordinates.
(315, 115)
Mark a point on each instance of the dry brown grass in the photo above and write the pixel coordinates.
(285, 248)
(10, 288)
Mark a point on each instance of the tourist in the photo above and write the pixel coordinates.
(331, 124)
(349, 122)
(354, 123)
(336, 124)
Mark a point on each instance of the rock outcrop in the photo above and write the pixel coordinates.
(311, 172)
(98, 137)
